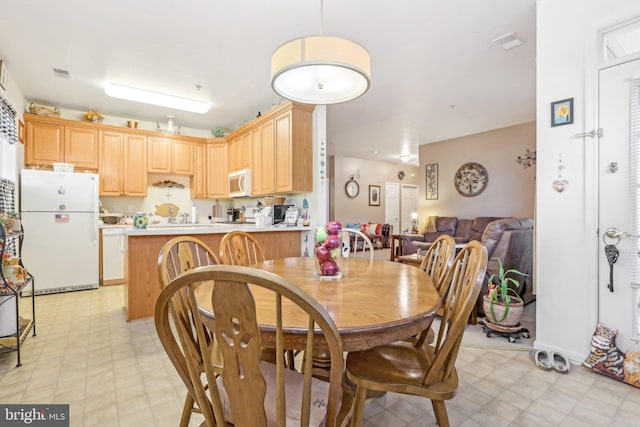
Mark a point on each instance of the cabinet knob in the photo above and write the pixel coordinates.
(62, 207)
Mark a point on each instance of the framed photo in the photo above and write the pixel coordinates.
(432, 181)
(562, 112)
(4, 74)
(21, 131)
(374, 195)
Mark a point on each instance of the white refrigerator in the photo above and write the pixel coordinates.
(60, 220)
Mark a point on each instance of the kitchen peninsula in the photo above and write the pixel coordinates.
(142, 283)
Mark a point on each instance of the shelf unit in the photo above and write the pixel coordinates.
(11, 245)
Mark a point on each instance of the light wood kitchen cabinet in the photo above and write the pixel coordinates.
(170, 156)
(198, 186)
(123, 164)
(239, 153)
(217, 174)
(50, 141)
(293, 146)
(263, 175)
(280, 147)
(44, 144)
(81, 147)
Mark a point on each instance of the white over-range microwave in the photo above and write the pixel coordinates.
(240, 183)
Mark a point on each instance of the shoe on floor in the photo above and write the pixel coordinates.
(542, 359)
(560, 363)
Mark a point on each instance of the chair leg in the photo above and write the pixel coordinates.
(441, 413)
(358, 406)
(186, 411)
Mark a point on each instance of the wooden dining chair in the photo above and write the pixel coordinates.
(240, 248)
(402, 367)
(181, 254)
(178, 256)
(438, 259)
(436, 263)
(350, 239)
(251, 392)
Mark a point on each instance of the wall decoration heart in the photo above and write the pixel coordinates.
(560, 185)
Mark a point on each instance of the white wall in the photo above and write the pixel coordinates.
(347, 210)
(566, 232)
(510, 190)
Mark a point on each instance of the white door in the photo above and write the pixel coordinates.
(408, 204)
(392, 206)
(618, 305)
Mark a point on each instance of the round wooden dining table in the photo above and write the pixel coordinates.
(373, 303)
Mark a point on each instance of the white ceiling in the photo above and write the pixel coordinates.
(435, 72)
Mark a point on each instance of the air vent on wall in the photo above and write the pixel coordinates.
(59, 72)
(508, 41)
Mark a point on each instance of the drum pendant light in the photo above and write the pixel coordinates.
(320, 70)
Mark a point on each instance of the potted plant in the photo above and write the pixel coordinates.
(502, 305)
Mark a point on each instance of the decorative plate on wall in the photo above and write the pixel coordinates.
(471, 179)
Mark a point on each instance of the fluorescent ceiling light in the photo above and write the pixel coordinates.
(320, 70)
(156, 98)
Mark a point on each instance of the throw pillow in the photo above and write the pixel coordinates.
(430, 225)
(607, 359)
(372, 229)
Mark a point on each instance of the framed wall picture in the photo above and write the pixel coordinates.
(4, 74)
(374, 195)
(562, 112)
(432, 181)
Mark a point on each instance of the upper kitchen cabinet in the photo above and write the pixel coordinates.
(198, 186)
(170, 156)
(123, 164)
(263, 176)
(53, 140)
(280, 148)
(217, 175)
(239, 153)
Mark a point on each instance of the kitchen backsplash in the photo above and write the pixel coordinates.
(180, 197)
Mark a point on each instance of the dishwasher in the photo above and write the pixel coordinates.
(113, 248)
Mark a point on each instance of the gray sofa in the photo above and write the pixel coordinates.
(507, 239)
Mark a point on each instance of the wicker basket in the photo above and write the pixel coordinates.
(44, 111)
(274, 200)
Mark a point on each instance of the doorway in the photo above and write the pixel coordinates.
(408, 204)
(392, 206)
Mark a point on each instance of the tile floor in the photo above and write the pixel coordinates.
(114, 373)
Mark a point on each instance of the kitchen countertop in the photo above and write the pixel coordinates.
(179, 229)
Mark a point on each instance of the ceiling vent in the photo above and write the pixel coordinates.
(59, 72)
(508, 41)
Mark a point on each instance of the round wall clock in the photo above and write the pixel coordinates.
(400, 175)
(352, 188)
(471, 179)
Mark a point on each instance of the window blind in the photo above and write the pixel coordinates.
(634, 171)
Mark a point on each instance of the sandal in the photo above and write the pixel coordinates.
(542, 359)
(560, 363)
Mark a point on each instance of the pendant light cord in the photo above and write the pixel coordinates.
(321, 17)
